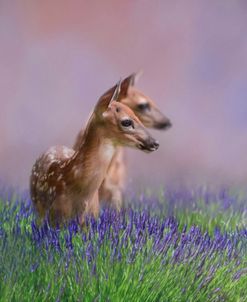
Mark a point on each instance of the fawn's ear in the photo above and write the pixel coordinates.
(126, 83)
(110, 95)
(116, 93)
(137, 76)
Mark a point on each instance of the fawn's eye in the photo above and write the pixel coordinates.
(143, 106)
(127, 123)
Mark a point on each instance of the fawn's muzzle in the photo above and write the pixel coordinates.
(163, 125)
(149, 145)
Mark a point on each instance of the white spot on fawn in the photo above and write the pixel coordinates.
(76, 171)
(67, 152)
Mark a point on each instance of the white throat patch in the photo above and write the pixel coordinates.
(107, 151)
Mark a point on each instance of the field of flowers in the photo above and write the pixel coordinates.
(178, 245)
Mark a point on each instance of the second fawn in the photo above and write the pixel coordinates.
(145, 109)
(64, 183)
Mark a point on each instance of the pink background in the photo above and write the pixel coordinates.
(58, 57)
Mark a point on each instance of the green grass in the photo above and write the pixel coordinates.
(40, 272)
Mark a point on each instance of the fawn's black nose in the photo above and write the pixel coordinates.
(164, 125)
(149, 145)
(154, 145)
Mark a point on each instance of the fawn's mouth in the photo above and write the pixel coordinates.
(148, 148)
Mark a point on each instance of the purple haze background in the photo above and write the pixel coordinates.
(58, 57)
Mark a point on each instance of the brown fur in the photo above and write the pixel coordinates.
(112, 188)
(64, 183)
(113, 185)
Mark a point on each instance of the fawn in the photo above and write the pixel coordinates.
(64, 183)
(145, 109)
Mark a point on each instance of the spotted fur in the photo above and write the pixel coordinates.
(64, 183)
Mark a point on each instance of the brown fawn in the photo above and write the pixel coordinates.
(112, 188)
(64, 183)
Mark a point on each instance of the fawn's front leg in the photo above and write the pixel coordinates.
(92, 208)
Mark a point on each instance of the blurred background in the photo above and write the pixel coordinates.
(58, 57)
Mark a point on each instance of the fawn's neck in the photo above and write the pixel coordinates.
(87, 168)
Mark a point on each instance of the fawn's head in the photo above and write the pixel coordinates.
(142, 105)
(120, 124)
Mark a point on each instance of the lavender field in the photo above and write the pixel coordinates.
(175, 245)
(184, 242)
